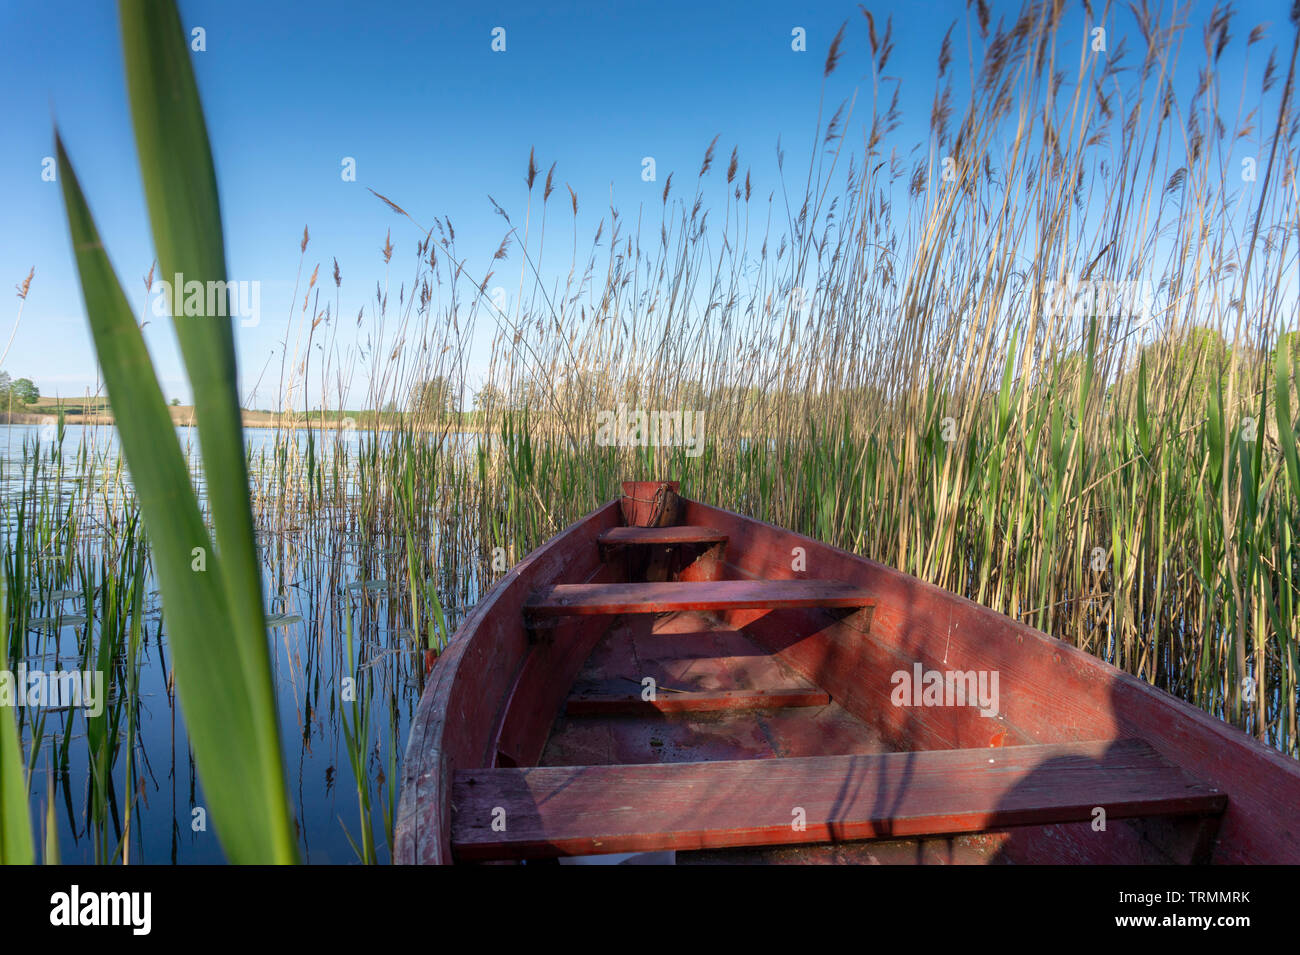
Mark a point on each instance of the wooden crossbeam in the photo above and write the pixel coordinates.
(695, 701)
(570, 599)
(660, 536)
(586, 810)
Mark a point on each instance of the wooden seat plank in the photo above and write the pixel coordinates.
(569, 599)
(695, 701)
(679, 534)
(582, 810)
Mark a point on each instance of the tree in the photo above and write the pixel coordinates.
(26, 392)
(1191, 363)
(527, 395)
(176, 402)
(489, 396)
(22, 391)
(433, 396)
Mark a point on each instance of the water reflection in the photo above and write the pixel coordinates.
(123, 785)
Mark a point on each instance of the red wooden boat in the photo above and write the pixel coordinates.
(665, 676)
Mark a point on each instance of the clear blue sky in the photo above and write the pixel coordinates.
(435, 120)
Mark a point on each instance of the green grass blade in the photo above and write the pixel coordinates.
(184, 210)
(1282, 409)
(235, 744)
(51, 856)
(16, 847)
(1143, 418)
(15, 825)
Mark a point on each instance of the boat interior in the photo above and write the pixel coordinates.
(672, 682)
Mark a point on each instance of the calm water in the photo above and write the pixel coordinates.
(313, 576)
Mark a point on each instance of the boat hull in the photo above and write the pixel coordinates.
(497, 698)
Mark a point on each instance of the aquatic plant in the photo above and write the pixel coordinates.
(211, 586)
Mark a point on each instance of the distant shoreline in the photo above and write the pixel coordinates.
(183, 415)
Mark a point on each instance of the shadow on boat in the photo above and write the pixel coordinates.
(909, 636)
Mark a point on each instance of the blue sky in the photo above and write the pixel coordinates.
(434, 119)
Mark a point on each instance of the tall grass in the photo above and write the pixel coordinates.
(876, 356)
(880, 362)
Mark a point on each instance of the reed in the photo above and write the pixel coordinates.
(878, 361)
(213, 593)
(895, 378)
(16, 846)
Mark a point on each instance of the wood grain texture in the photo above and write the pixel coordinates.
(466, 707)
(695, 702)
(1051, 692)
(494, 698)
(652, 536)
(596, 809)
(572, 599)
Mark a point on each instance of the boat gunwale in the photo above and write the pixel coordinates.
(1205, 720)
(426, 773)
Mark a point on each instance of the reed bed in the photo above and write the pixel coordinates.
(881, 362)
(873, 353)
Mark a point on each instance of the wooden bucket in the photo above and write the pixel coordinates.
(650, 503)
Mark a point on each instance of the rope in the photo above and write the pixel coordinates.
(658, 502)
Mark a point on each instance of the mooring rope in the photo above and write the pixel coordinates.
(658, 503)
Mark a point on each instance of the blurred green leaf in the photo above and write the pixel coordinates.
(16, 846)
(214, 615)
